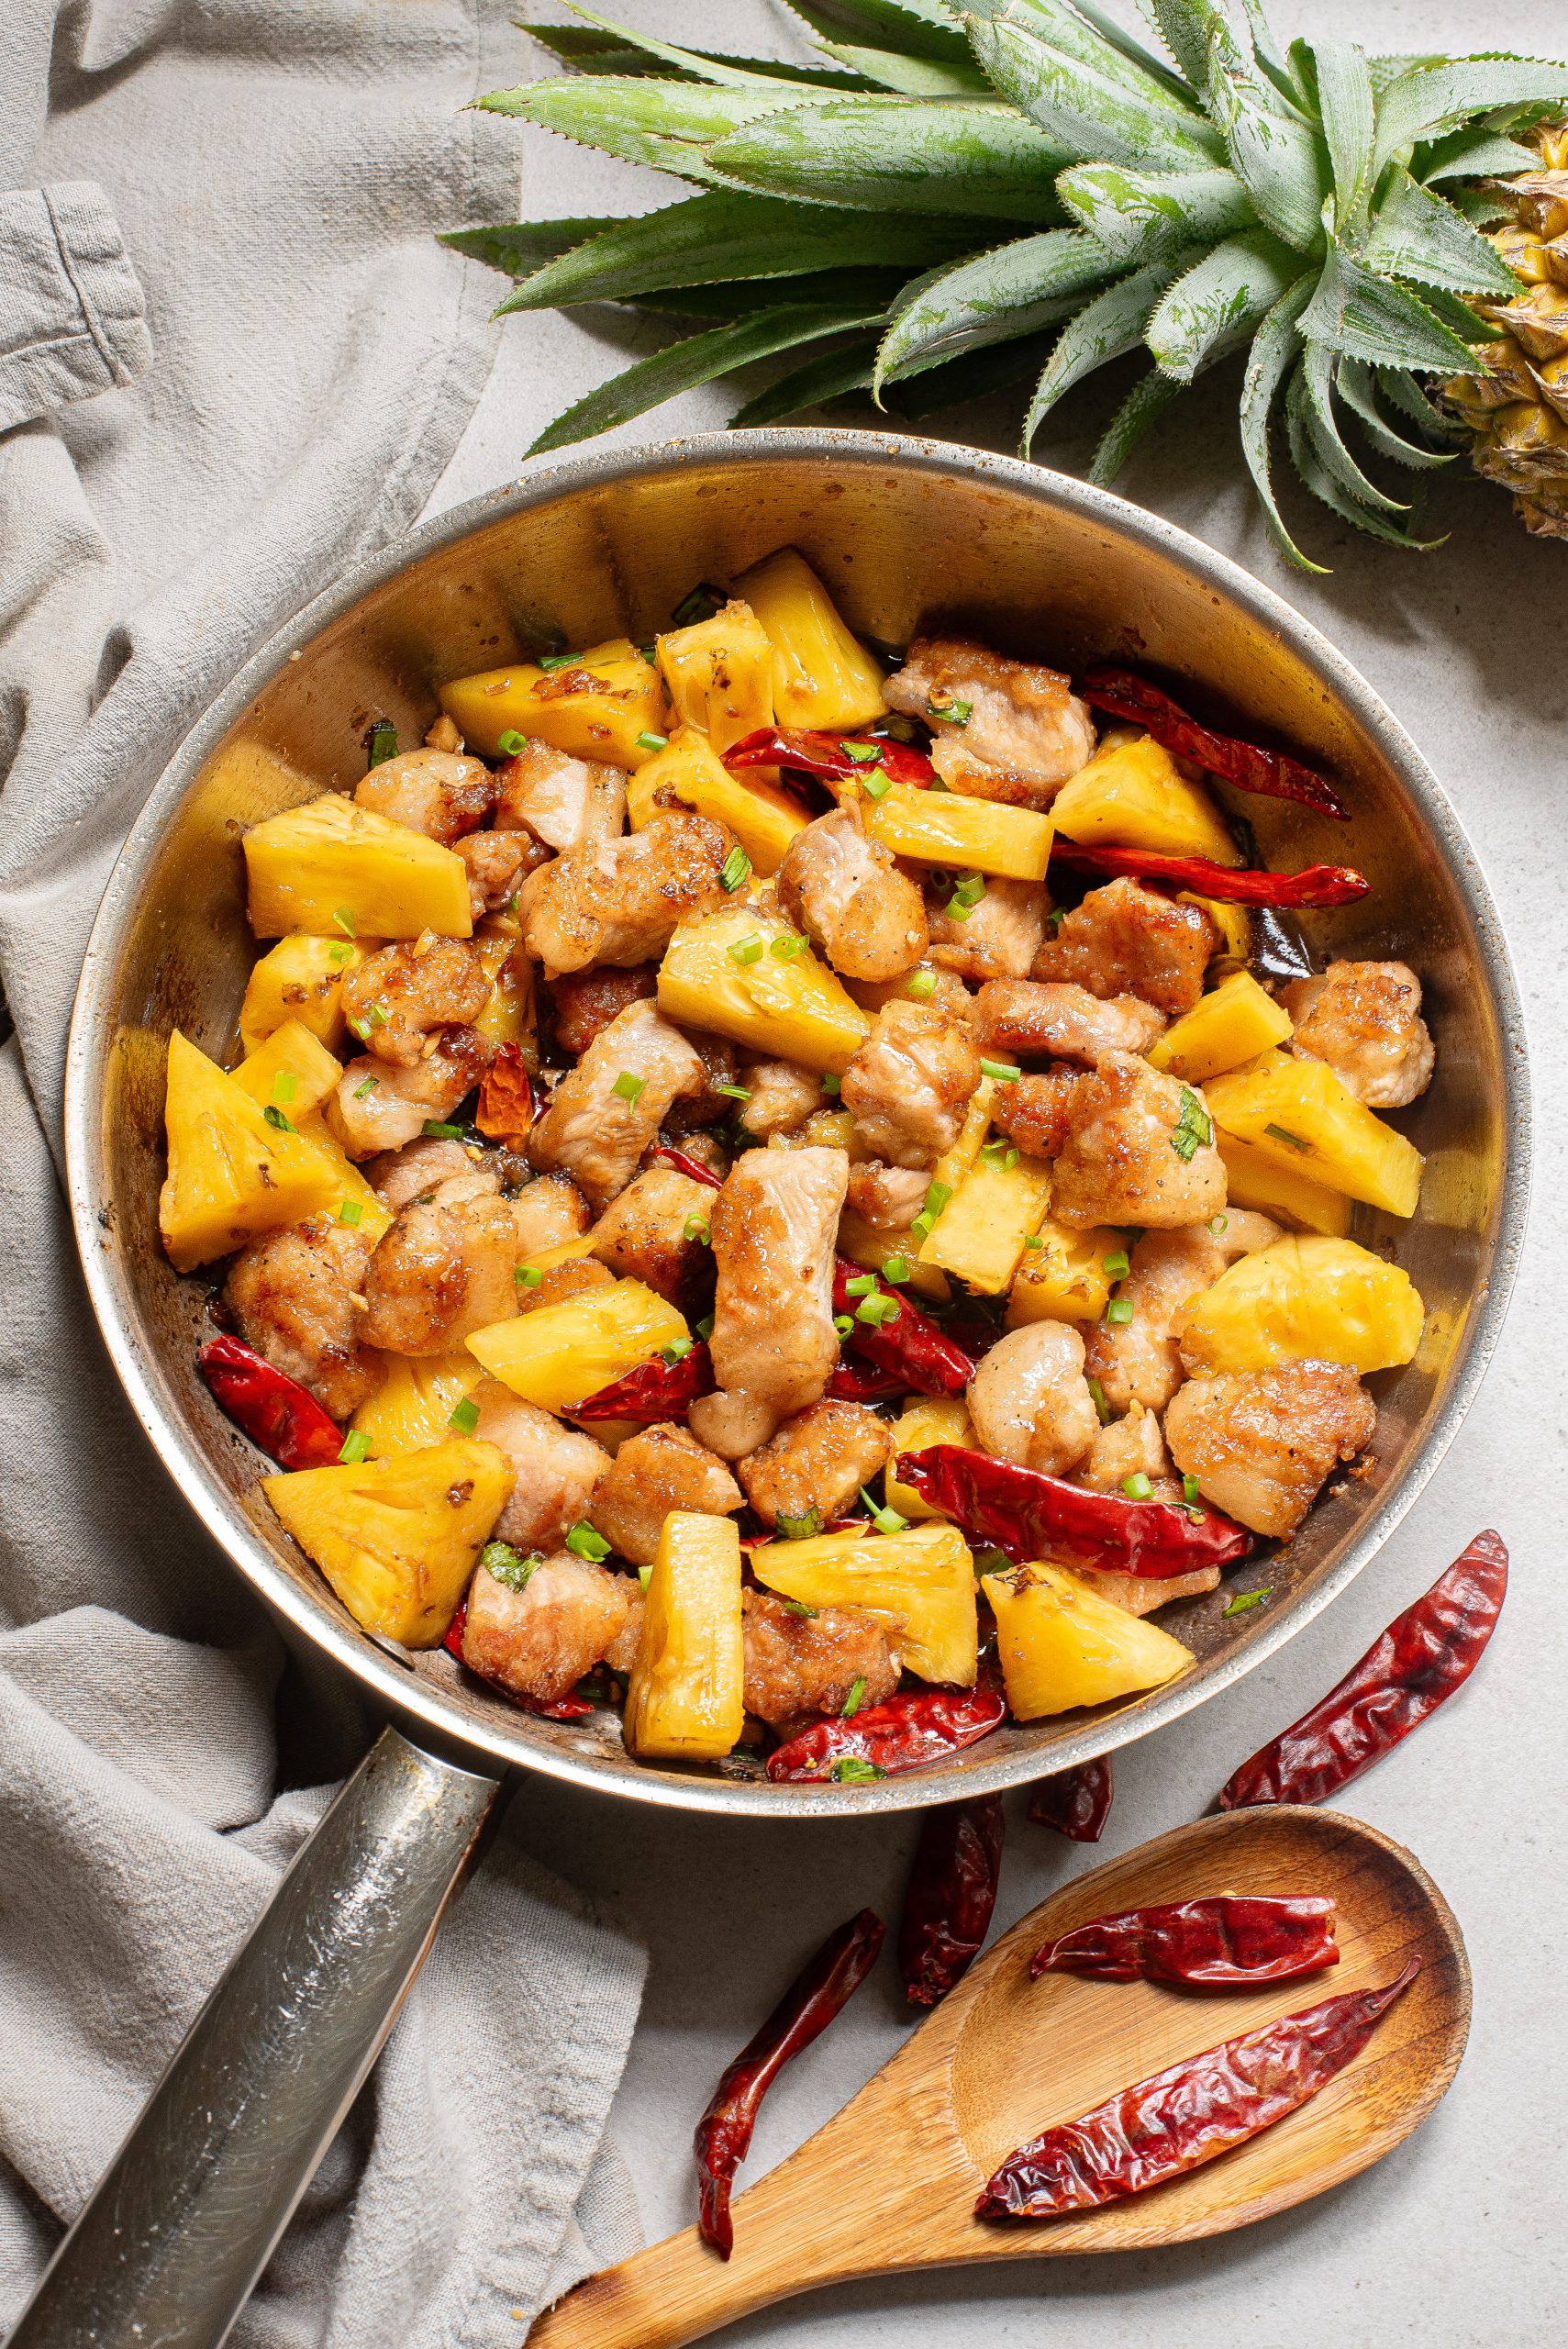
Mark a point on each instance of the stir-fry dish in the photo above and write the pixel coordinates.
(800, 1200)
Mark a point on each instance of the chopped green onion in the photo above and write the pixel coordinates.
(936, 784)
(626, 1087)
(800, 1528)
(1003, 1071)
(886, 1520)
(512, 744)
(923, 1226)
(876, 1311)
(955, 712)
(464, 1416)
(676, 1350)
(344, 918)
(786, 949)
(368, 1086)
(736, 870)
(844, 1323)
(653, 741)
(1196, 1128)
(586, 1543)
(645, 1575)
(509, 1566)
(1035, 1240)
(528, 1276)
(438, 1131)
(1189, 1490)
(855, 1699)
(337, 956)
(937, 1198)
(381, 743)
(831, 1084)
(864, 754)
(852, 1770)
(863, 1284)
(1218, 1225)
(1118, 1312)
(969, 889)
(895, 1268)
(284, 1084)
(556, 660)
(699, 603)
(696, 1229)
(356, 1447)
(279, 1123)
(350, 1211)
(747, 949)
(365, 1028)
(922, 984)
(798, 1606)
(704, 1327)
(1098, 1397)
(876, 786)
(1000, 1157)
(1282, 1133)
(651, 654)
(1116, 1266)
(736, 1092)
(513, 902)
(1248, 1599)
(1137, 1486)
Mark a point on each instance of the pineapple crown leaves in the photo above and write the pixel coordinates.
(965, 193)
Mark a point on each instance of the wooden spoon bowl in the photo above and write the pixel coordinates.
(890, 2182)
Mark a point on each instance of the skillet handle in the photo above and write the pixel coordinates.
(181, 2225)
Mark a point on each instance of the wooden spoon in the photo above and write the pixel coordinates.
(890, 2182)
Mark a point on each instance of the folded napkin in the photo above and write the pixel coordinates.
(232, 357)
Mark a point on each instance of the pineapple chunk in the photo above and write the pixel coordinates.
(1062, 1645)
(354, 1201)
(330, 866)
(565, 1252)
(1296, 1113)
(1254, 1181)
(982, 1231)
(763, 819)
(946, 828)
(867, 1243)
(301, 979)
(293, 1072)
(510, 1017)
(793, 1009)
(1234, 924)
(1314, 1300)
(952, 1168)
(1135, 796)
(231, 1173)
(1235, 1022)
(399, 1539)
(822, 675)
(924, 1578)
(559, 1354)
(594, 706)
(413, 1404)
(1065, 1279)
(684, 1700)
(931, 1418)
(720, 675)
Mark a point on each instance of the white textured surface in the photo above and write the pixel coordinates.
(1459, 2238)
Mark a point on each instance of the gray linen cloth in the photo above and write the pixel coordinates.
(231, 359)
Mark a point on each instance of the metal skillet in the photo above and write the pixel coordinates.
(907, 533)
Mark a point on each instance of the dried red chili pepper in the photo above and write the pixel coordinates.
(1032, 1516)
(861, 1382)
(274, 1411)
(550, 1708)
(506, 1111)
(1423, 1656)
(900, 1734)
(1315, 884)
(807, 2007)
(1219, 1943)
(908, 1344)
(950, 1897)
(1272, 774)
(1077, 1803)
(1179, 2119)
(668, 1155)
(654, 1390)
(812, 752)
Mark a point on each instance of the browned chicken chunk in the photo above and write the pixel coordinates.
(710, 1101)
(643, 1234)
(926, 983)
(774, 1344)
(434, 791)
(558, 1283)
(1141, 1594)
(447, 1267)
(378, 1108)
(847, 894)
(781, 1097)
(295, 1296)
(1365, 1019)
(1132, 1446)
(909, 1083)
(1037, 1111)
(539, 1640)
(1029, 1401)
(661, 1469)
(1139, 1360)
(1134, 1151)
(818, 1462)
(605, 1111)
(999, 936)
(584, 1002)
(498, 863)
(887, 1197)
(1126, 940)
(1261, 1443)
(561, 802)
(396, 997)
(802, 1666)
(621, 901)
(557, 1469)
(1066, 1022)
(1013, 717)
(398, 1176)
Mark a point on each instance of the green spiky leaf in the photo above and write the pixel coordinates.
(1086, 35)
(1085, 112)
(703, 66)
(1275, 347)
(1143, 215)
(517, 248)
(1013, 291)
(896, 154)
(1272, 153)
(1215, 304)
(1357, 386)
(1143, 407)
(991, 367)
(1473, 154)
(1322, 482)
(1367, 318)
(820, 380)
(912, 27)
(665, 124)
(596, 53)
(1185, 26)
(1347, 111)
(1432, 99)
(1417, 235)
(1317, 374)
(911, 77)
(1104, 329)
(864, 289)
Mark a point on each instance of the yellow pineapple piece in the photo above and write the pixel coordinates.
(719, 673)
(293, 1072)
(925, 1420)
(565, 1252)
(822, 675)
(511, 1016)
(1065, 1279)
(1234, 1022)
(1062, 1645)
(231, 1175)
(337, 869)
(1296, 1113)
(923, 1577)
(413, 1406)
(1312, 1299)
(399, 1539)
(354, 1202)
(867, 1243)
(558, 1355)
(596, 705)
(302, 979)
(720, 973)
(952, 1168)
(763, 819)
(1135, 796)
(1254, 1181)
(1233, 923)
(981, 1233)
(970, 835)
(684, 1700)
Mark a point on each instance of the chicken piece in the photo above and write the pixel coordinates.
(909, 1083)
(539, 1640)
(799, 1667)
(1132, 1446)
(1126, 940)
(1029, 1400)
(549, 1211)
(1139, 1360)
(1024, 721)
(1066, 1022)
(1365, 1019)
(659, 1469)
(584, 1003)
(558, 1469)
(781, 1097)
(398, 1176)
(442, 734)
(711, 1102)
(887, 1197)
(774, 1348)
(562, 802)
(1037, 1111)
(620, 901)
(818, 1461)
(1141, 1594)
(605, 1112)
(498, 863)
(395, 998)
(642, 1235)
(447, 1266)
(558, 1283)
(377, 1107)
(1261, 1443)
(850, 897)
(998, 938)
(433, 792)
(702, 1148)
(1121, 1162)
(295, 1295)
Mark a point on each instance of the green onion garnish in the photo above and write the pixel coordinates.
(886, 1520)
(368, 1086)
(356, 1447)
(786, 949)
(936, 1199)
(922, 984)
(645, 1575)
(465, 1416)
(1118, 1312)
(1116, 1266)
(736, 1092)
(864, 754)
(844, 1323)
(350, 1211)
(955, 712)
(381, 743)
(512, 744)
(747, 949)
(798, 1606)
(337, 956)
(1137, 1486)
(831, 1084)
(1035, 1240)
(696, 1229)
(509, 1566)
(736, 870)
(1004, 1073)
(438, 1131)
(1218, 1225)
(1248, 1599)
(1189, 1490)
(1098, 1397)
(1000, 1157)
(276, 1120)
(800, 1528)
(626, 1087)
(922, 1227)
(1195, 1130)
(345, 920)
(555, 660)
(855, 1699)
(653, 741)
(876, 1311)
(863, 1284)
(586, 1543)
(704, 1327)
(876, 786)
(676, 1350)
(284, 1084)
(1282, 1133)
(528, 1276)
(968, 891)
(895, 1268)
(853, 1770)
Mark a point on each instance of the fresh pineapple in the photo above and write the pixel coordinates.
(511, 1016)
(231, 1173)
(722, 972)
(973, 835)
(354, 1200)
(928, 1420)
(1233, 924)
(952, 1168)
(342, 871)
(1297, 1113)
(558, 1355)
(1061, 1645)
(822, 675)
(399, 1539)
(1313, 1298)
(302, 978)
(606, 704)
(1236, 1022)
(1290, 1196)
(763, 819)
(292, 1072)
(869, 1243)
(1135, 796)
(981, 1235)
(719, 673)
(923, 1578)
(413, 1406)
(684, 1701)
(1065, 1278)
